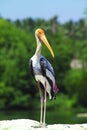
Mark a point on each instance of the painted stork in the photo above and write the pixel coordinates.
(43, 73)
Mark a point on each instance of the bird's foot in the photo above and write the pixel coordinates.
(43, 125)
(40, 125)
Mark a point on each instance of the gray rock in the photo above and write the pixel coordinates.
(27, 124)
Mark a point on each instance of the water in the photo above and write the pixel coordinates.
(57, 117)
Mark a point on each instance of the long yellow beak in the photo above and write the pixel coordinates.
(45, 41)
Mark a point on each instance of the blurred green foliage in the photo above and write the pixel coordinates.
(18, 90)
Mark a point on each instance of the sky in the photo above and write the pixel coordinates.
(45, 9)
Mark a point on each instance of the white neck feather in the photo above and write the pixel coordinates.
(38, 49)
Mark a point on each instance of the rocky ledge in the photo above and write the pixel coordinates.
(27, 124)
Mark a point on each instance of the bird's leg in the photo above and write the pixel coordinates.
(45, 99)
(41, 111)
(41, 100)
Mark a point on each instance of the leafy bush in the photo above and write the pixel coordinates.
(76, 85)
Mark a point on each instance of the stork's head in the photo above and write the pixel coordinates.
(39, 33)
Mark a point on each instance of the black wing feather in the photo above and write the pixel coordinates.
(31, 67)
(45, 64)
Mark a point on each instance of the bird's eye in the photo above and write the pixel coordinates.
(39, 32)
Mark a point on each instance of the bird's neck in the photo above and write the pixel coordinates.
(38, 49)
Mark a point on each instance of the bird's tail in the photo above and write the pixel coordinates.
(55, 88)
